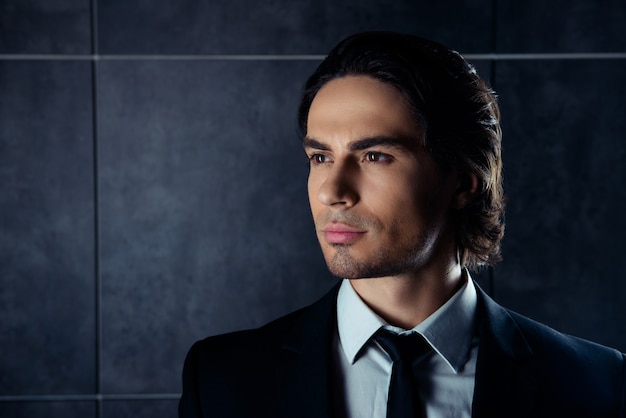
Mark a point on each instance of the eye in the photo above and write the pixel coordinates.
(376, 157)
(317, 159)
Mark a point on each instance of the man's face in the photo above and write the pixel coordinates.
(379, 202)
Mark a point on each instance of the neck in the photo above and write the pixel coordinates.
(407, 300)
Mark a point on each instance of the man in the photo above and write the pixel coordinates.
(405, 188)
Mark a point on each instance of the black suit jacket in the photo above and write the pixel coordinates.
(283, 369)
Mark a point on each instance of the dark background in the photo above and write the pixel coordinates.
(153, 186)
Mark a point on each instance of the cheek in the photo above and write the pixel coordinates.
(391, 208)
(394, 194)
(405, 207)
(312, 190)
(310, 187)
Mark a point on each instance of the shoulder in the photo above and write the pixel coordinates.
(266, 337)
(239, 373)
(562, 349)
(518, 334)
(568, 373)
(256, 345)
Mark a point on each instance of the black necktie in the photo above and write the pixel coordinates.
(403, 400)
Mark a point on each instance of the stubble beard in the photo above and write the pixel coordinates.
(381, 263)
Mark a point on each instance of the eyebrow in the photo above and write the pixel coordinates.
(315, 144)
(365, 143)
(384, 141)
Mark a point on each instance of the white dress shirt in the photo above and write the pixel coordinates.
(363, 368)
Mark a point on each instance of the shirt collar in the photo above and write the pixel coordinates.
(449, 330)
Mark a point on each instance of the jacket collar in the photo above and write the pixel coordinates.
(504, 385)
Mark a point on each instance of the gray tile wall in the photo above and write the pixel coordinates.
(153, 187)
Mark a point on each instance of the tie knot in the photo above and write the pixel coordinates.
(407, 347)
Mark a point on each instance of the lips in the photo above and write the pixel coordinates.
(338, 233)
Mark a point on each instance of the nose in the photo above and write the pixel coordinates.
(339, 187)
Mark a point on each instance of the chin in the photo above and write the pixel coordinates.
(352, 269)
(342, 262)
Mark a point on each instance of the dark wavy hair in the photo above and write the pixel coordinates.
(456, 111)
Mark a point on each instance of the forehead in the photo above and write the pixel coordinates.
(353, 107)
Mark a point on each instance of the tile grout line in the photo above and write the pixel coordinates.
(96, 187)
(286, 57)
(97, 397)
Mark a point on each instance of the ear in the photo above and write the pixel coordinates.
(467, 188)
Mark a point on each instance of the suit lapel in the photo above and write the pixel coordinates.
(504, 385)
(307, 372)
